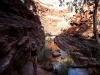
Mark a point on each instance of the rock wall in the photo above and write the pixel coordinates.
(18, 27)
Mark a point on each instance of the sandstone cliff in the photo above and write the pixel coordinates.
(18, 26)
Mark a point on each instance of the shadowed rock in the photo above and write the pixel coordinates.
(15, 23)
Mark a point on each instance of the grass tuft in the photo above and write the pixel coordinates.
(63, 70)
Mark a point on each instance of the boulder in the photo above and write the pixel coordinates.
(84, 58)
(63, 56)
(56, 54)
(77, 53)
(48, 66)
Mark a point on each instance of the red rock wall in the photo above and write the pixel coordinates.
(18, 26)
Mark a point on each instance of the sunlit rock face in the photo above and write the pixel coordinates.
(18, 27)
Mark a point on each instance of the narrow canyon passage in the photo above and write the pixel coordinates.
(54, 22)
(62, 30)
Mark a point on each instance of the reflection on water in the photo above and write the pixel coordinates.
(77, 71)
(72, 71)
(56, 66)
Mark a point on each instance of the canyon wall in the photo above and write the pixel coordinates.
(18, 27)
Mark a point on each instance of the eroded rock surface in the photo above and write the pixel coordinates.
(18, 27)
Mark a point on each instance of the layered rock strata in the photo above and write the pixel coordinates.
(18, 27)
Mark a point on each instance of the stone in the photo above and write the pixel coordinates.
(78, 53)
(63, 56)
(48, 67)
(23, 40)
(84, 58)
(93, 59)
(56, 54)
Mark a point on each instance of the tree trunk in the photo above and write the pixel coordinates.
(95, 30)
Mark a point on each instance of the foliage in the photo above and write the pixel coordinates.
(43, 54)
(63, 70)
(67, 3)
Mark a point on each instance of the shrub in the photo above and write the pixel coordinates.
(43, 55)
(63, 70)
